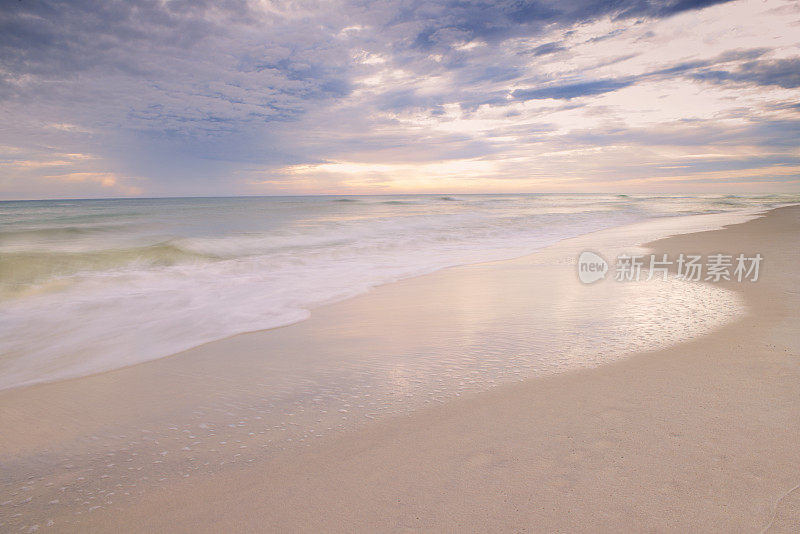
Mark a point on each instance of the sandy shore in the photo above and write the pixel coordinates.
(699, 436)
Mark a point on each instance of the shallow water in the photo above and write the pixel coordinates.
(93, 285)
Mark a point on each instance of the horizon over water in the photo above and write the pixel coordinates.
(96, 284)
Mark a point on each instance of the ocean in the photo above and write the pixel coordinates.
(93, 285)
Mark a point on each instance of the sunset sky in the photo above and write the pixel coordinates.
(106, 99)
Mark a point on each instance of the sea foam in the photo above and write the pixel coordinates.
(88, 286)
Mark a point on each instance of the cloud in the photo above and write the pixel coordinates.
(665, 9)
(444, 23)
(572, 90)
(176, 97)
(780, 72)
(547, 48)
(783, 72)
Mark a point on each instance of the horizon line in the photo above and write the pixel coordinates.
(309, 195)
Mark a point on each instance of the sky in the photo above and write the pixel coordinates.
(255, 97)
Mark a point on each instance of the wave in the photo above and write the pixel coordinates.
(184, 272)
(54, 232)
(19, 270)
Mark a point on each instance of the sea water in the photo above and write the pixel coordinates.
(93, 285)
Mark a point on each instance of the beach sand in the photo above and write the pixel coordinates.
(702, 435)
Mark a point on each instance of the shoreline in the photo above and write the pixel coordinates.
(725, 218)
(305, 472)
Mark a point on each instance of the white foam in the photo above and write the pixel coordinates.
(98, 320)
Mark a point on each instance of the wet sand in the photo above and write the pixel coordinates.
(699, 436)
